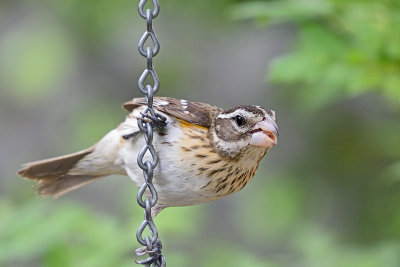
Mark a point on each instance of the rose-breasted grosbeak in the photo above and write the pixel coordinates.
(205, 153)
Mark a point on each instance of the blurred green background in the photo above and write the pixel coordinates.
(327, 195)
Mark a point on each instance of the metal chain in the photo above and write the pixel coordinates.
(149, 119)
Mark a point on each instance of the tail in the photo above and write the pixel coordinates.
(53, 177)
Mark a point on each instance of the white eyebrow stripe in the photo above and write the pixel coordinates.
(235, 113)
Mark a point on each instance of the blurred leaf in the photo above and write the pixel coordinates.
(69, 235)
(237, 257)
(93, 124)
(392, 173)
(34, 60)
(171, 222)
(279, 11)
(345, 48)
(282, 200)
(321, 249)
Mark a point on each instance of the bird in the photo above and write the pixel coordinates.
(205, 152)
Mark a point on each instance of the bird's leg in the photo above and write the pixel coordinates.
(157, 120)
(129, 136)
(154, 254)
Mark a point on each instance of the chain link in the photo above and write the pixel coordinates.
(152, 244)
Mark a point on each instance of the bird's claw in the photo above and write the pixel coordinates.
(141, 251)
(154, 254)
(156, 120)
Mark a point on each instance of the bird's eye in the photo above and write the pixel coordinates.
(239, 120)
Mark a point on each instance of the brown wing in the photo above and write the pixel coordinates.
(192, 112)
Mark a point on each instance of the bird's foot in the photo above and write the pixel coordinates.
(154, 254)
(130, 135)
(156, 120)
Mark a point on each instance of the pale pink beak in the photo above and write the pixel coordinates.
(264, 133)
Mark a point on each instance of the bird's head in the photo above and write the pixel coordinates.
(244, 127)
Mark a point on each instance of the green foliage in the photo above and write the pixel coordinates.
(34, 61)
(279, 11)
(68, 235)
(43, 233)
(328, 195)
(321, 249)
(344, 48)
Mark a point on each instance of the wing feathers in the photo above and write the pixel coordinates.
(192, 112)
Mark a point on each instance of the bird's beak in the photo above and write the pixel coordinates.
(264, 133)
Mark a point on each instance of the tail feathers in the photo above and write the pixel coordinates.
(63, 184)
(54, 167)
(52, 174)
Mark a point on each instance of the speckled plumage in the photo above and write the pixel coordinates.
(205, 153)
